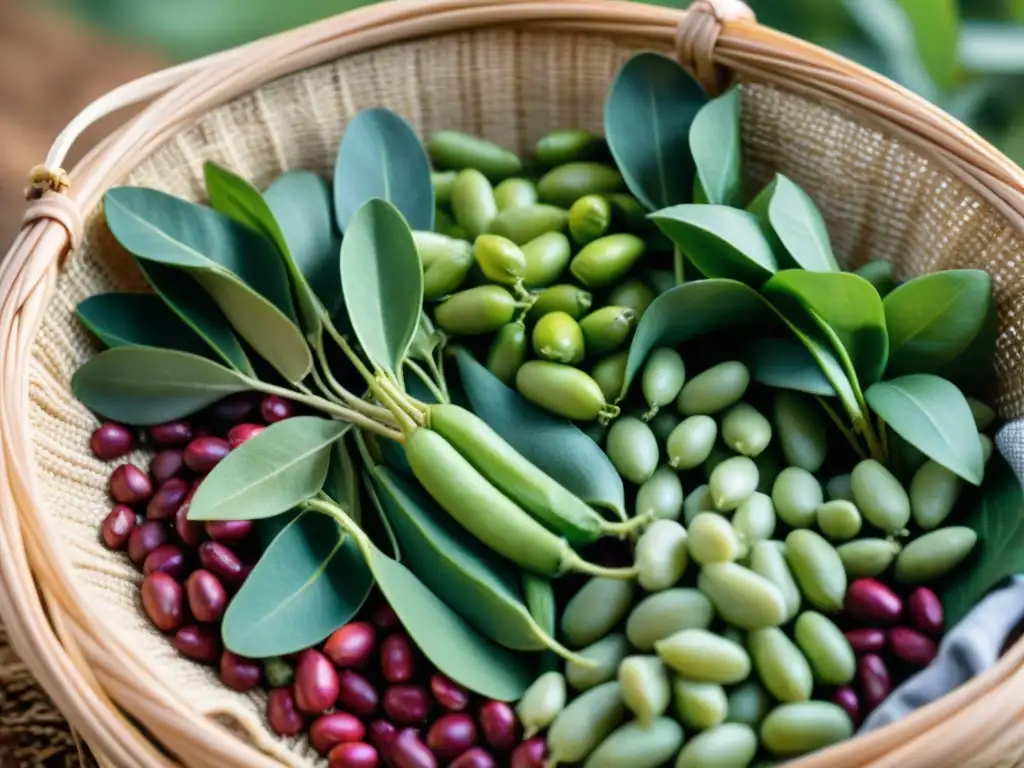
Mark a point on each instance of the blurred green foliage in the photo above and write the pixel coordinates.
(967, 56)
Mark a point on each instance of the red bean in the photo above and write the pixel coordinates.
(118, 526)
(351, 645)
(407, 751)
(239, 673)
(282, 715)
(870, 600)
(398, 658)
(406, 704)
(167, 558)
(200, 643)
(383, 616)
(222, 563)
(328, 731)
(925, 611)
(874, 680)
(476, 758)
(499, 724)
(235, 408)
(202, 430)
(241, 433)
(529, 754)
(846, 698)
(189, 531)
(912, 647)
(866, 640)
(174, 433)
(166, 464)
(204, 453)
(382, 734)
(130, 485)
(207, 597)
(274, 409)
(163, 600)
(353, 755)
(144, 539)
(450, 735)
(316, 682)
(356, 694)
(449, 694)
(111, 441)
(167, 500)
(229, 530)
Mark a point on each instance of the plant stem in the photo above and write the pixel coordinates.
(883, 433)
(324, 389)
(849, 435)
(678, 265)
(427, 381)
(438, 374)
(409, 419)
(349, 398)
(874, 447)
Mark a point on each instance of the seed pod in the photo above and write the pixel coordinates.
(632, 448)
(769, 560)
(731, 745)
(515, 193)
(797, 495)
(567, 183)
(826, 648)
(638, 745)
(528, 222)
(610, 374)
(604, 656)
(507, 352)
(935, 554)
(572, 300)
(867, 557)
(663, 614)
(691, 442)
(698, 501)
(732, 482)
(780, 665)
(934, 491)
(589, 218)
(547, 256)
(457, 150)
(635, 294)
(661, 495)
(818, 570)
(661, 555)
(541, 702)
(865, 640)
(592, 612)
(912, 647)
(715, 389)
(699, 705)
(713, 540)
(872, 601)
(563, 390)
(445, 276)
(703, 656)
(805, 726)
(606, 260)
(755, 518)
(982, 413)
(839, 520)
(473, 202)
(748, 704)
(433, 247)
(880, 497)
(663, 377)
(584, 723)
(925, 611)
(442, 182)
(500, 260)
(475, 311)
(643, 681)
(801, 429)
(745, 430)
(741, 596)
(557, 337)
(607, 329)
(839, 488)
(874, 680)
(565, 145)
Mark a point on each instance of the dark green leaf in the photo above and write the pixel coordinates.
(382, 281)
(302, 203)
(647, 116)
(342, 481)
(786, 364)
(934, 319)
(143, 386)
(797, 222)
(271, 473)
(715, 143)
(997, 516)
(932, 415)
(849, 305)
(936, 25)
(241, 270)
(311, 580)
(381, 157)
(878, 272)
(758, 208)
(720, 241)
(138, 320)
(555, 445)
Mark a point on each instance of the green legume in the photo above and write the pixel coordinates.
(982, 413)
(432, 246)
(457, 150)
(741, 596)
(703, 656)
(934, 491)
(663, 614)
(507, 352)
(607, 329)
(745, 430)
(547, 256)
(691, 442)
(826, 648)
(635, 294)
(730, 745)
(592, 612)
(541, 702)
(719, 453)
(699, 705)
(563, 390)
(715, 389)
(839, 520)
(566, 183)
(607, 259)
(713, 540)
(584, 723)
(557, 337)
(698, 501)
(661, 555)
(528, 222)
(839, 488)
(442, 182)
(515, 193)
(801, 727)
(572, 300)
(446, 274)
(934, 554)
(501, 260)
(566, 145)
(867, 558)
(801, 428)
(755, 518)
(632, 448)
(748, 704)
(818, 570)
(610, 374)
(768, 559)
(663, 376)
(645, 687)
(661, 495)
(635, 745)
(589, 218)
(604, 657)
(483, 309)
(797, 495)
(880, 497)
(780, 666)
(473, 202)
(732, 482)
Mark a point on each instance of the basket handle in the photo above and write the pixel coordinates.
(697, 35)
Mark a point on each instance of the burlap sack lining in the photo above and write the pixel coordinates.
(879, 199)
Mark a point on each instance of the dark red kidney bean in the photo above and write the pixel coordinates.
(229, 530)
(870, 600)
(450, 735)
(130, 485)
(406, 704)
(166, 464)
(449, 694)
(112, 441)
(167, 558)
(207, 597)
(911, 646)
(356, 694)
(351, 645)
(222, 563)
(173, 433)
(499, 724)
(353, 755)
(282, 715)
(398, 658)
(476, 758)
(925, 611)
(384, 617)
(199, 643)
(189, 531)
(239, 673)
(846, 698)
(328, 731)
(167, 500)
(874, 680)
(164, 601)
(529, 754)
(144, 539)
(382, 734)
(241, 433)
(205, 453)
(117, 527)
(274, 409)
(866, 640)
(407, 751)
(316, 682)
(235, 408)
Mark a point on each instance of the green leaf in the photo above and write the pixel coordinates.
(311, 580)
(800, 228)
(271, 473)
(382, 281)
(239, 269)
(342, 481)
(932, 415)
(994, 48)
(849, 305)
(787, 364)
(381, 157)
(302, 203)
(144, 386)
(720, 241)
(715, 143)
(878, 272)
(554, 444)
(934, 319)
(936, 25)
(647, 116)
(997, 516)
(138, 320)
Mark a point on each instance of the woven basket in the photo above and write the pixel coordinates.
(895, 177)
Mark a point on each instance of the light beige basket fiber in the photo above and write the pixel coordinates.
(895, 177)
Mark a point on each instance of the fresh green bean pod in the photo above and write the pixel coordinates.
(501, 260)
(528, 222)
(563, 390)
(473, 202)
(508, 352)
(635, 294)
(558, 338)
(446, 275)
(589, 218)
(595, 609)
(610, 374)
(606, 260)
(566, 145)
(584, 723)
(442, 183)
(539, 596)
(457, 150)
(547, 257)
(483, 309)
(607, 329)
(567, 183)
(541, 703)
(603, 657)
(636, 745)
(515, 193)
(571, 299)
(432, 246)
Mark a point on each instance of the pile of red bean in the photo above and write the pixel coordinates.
(893, 637)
